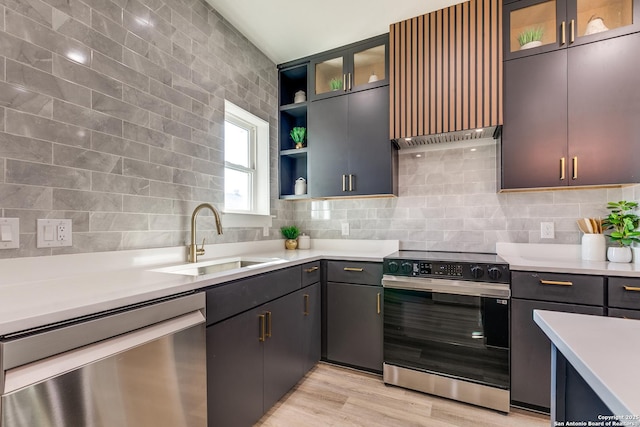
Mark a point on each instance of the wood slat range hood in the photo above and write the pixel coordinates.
(446, 75)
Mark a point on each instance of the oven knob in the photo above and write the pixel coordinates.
(393, 267)
(477, 272)
(407, 267)
(494, 273)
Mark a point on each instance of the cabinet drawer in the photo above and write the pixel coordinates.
(571, 288)
(310, 273)
(230, 299)
(364, 273)
(624, 292)
(627, 314)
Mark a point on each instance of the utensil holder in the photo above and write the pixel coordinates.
(594, 247)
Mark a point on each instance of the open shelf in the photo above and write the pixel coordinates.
(293, 162)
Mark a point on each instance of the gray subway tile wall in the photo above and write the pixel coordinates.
(448, 201)
(111, 114)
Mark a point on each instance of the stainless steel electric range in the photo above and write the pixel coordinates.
(446, 325)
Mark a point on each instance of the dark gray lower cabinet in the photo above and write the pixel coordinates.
(354, 325)
(531, 352)
(311, 327)
(255, 357)
(235, 371)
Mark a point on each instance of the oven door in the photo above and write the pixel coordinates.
(451, 328)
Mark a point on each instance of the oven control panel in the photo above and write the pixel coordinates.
(482, 272)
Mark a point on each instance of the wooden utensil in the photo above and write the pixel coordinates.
(588, 225)
(582, 226)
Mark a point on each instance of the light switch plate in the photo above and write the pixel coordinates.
(14, 226)
(53, 233)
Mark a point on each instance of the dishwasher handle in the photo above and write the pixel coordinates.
(41, 370)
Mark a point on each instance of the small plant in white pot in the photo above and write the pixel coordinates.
(623, 222)
(531, 37)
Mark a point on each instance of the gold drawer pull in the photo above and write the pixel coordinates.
(555, 282)
(353, 269)
(632, 288)
(261, 320)
(311, 270)
(268, 316)
(378, 307)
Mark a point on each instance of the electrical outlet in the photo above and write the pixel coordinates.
(547, 230)
(345, 228)
(53, 233)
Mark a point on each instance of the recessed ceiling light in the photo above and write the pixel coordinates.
(418, 155)
(479, 130)
(407, 139)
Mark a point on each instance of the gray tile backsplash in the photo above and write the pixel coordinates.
(448, 200)
(111, 114)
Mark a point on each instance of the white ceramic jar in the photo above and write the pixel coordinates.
(594, 247)
(304, 242)
(300, 187)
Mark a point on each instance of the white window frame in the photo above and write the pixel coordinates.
(260, 214)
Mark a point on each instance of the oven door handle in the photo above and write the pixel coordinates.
(447, 286)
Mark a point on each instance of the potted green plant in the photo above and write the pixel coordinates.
(623, 222)
(335, 83)
(531, 37)
(290, 234)
(298, 134)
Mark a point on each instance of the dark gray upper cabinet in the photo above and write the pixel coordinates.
(351, 154)
(534, 134)
(571, 116)
(360, 66)
(566, 23)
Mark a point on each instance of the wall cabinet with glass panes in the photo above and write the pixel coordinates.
(353, 69)
(537, 26)
(571, 109)
(357, 123)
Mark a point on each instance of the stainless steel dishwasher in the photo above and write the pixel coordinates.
(140, 366)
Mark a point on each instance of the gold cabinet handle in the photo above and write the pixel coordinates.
(261, 335)
(268, 316)
(344, 182)
(344, 82)
(562, 169)
(306, 304)
(379, 303)
(573, 32)
(632, 288)
(555, 282)
(575, 168)
(563, 29)
(350, 182)
(359, 270)
(349, 80)
(312, 269)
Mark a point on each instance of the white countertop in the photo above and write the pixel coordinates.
(603, 350)
(43, 290)
(554, 258)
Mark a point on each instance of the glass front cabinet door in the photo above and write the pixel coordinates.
(359, 67)
(536, 26)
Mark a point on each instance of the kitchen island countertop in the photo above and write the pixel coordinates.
(602, 350)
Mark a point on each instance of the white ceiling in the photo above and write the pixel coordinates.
(290, 29)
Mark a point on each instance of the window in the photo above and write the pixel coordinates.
(246, 162)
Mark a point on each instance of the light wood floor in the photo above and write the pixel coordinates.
(335, 396)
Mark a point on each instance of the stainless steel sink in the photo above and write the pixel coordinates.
(218, 265)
